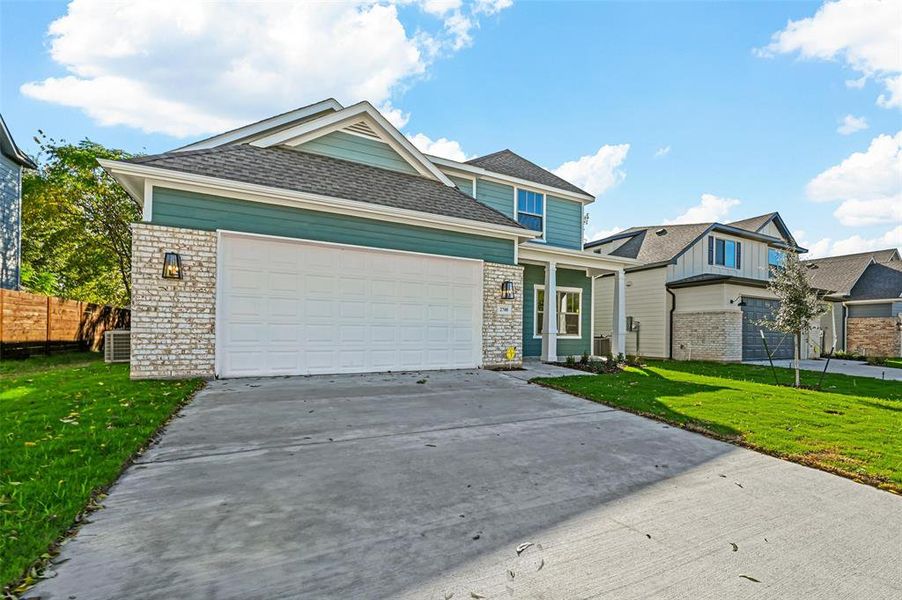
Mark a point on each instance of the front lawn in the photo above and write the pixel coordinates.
(853, 427)
(68, 425)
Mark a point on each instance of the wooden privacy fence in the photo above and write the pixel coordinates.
(32, 323)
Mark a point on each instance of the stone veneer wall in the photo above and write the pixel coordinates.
(873, 336)
(708, 336)
(501, 331)
(173, 320)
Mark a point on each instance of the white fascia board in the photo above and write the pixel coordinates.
(304, 132)
(532, 252)
(509, 180)
(270, 195)
(248, 131)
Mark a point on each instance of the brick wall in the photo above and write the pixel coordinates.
(173, 320)
(501, 329)
(873, 336)
(708, 336)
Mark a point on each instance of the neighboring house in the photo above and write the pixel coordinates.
(322, 241)
(700, 290)
(865, 300)
(12, 161)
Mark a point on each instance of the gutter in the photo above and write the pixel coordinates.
(670, 330)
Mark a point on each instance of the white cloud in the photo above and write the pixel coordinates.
(596, 173)
(867, 184)
(865, 34)
(850, 245)
(662, 151)
(192, 67)
(711, 208)
(440, 7)
(894, 98)
(850, 124)
(491, 7)
(598, 234)
(442, 147)
(816, 249)
(395, 116)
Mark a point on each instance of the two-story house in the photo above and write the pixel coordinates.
(12, 162)
(322, 241)
(700, 290)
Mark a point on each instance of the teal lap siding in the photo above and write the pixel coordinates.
(176, 208)
(564, 225)
(355, 148)
(497, 196)
(465, 185)
(535, 275)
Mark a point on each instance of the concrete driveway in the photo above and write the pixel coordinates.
(424, 485)
(856, 368)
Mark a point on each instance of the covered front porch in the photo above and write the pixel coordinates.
(558, 301)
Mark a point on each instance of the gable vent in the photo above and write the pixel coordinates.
(362, 128)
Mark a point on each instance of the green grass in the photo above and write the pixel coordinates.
(895, 363)
(852, 427)
(68, 425)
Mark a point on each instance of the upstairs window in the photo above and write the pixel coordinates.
(725, 253)
(531, 210)
(774, 261)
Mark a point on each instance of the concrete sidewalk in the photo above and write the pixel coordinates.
(429, 485)
(843, 367)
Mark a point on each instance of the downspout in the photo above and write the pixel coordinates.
(670, 331)
(845, 327)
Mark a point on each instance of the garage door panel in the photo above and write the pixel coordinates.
(302, 308)
(779, 344)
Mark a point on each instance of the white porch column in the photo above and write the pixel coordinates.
(618, 343)
(549, 323)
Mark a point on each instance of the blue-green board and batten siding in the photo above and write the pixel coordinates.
(175, 208)
(535, 275)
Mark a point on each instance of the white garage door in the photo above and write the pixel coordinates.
(296, 308)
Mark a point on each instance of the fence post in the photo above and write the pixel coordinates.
(47, 332)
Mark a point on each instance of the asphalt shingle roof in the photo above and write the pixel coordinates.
(304, 172)
(648, 246)
(840, 273)
(752, 224)
(514, 165)
(879, 281)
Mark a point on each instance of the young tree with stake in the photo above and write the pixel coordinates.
(799, 304)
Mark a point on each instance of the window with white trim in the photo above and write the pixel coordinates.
(569, 310)
(531, 210)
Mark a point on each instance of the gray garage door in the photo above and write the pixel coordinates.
(753, 312)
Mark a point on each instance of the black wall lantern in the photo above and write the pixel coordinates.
(172, 266)
(507, 290)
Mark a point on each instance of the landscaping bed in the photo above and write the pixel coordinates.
(851, 426)
(69, 424)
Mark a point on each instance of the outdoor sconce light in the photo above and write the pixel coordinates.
(507, 290)
(172, 266)
(741, 301)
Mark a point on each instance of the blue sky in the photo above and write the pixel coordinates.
(683, 110)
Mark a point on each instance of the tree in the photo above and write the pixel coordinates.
(76, 236)
(799, 303)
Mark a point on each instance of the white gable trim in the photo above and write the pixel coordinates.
(247, 132)
(362, 111)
